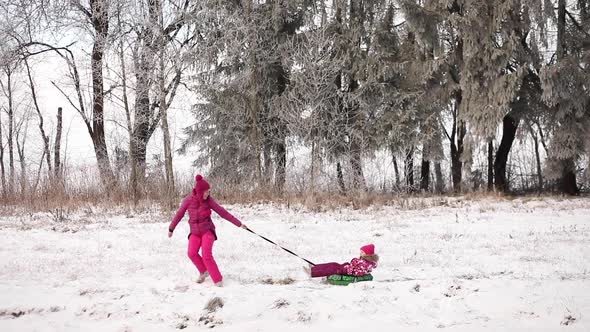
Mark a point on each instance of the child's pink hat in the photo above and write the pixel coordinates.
(369, 249)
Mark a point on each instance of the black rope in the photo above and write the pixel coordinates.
(287, 250)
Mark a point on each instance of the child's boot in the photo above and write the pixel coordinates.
(202, 277)
(307, 269)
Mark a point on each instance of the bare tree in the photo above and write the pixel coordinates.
(509, 127)
(440, 187)
(8, 90)
(456, 139)
(44, 136)
(99, 16)
(95, 18)
(425, 173)
(21, 135)
(409, 167)
(165, 128)
(153, 36)
(57, 145)
(535, 138)
(2, 170)
(490, 165)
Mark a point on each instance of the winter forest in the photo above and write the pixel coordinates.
(404, 96)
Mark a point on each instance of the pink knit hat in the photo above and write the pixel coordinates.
(369, 249)
(201, 184)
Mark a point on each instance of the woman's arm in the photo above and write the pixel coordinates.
(179, 214)
(223, 213)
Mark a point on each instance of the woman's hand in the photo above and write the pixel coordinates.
(169, 234)
(244, 226)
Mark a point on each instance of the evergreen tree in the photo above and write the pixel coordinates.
(565, 90)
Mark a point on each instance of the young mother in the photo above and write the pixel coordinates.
(202, 230)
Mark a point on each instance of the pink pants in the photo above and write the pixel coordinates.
(207, 262)
(326, 269)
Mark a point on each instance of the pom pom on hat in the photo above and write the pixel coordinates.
(202, 184)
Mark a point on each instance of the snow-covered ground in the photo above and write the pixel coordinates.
(446, 264)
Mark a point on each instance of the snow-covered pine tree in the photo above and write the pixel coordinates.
(242, 70)
(565, 90)
(486, 51)
(336, 85)
(437, 70)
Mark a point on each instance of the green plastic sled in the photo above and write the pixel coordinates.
(343, 280)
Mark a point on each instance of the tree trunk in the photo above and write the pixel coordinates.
(100, 23)
(395, 168)
(537, 157)
(7, 90)
(138, 164)
(34, 188)
(133, 175)
(340, 177)
(539, 169)
(440, 187)
(561, 40)
(490, 165)
(170, 187)
(281, 165)
(425, 174)
(144, 112)
(2, 170)
(568, 183)
(23, 167)
(313, 169)
(168, 155)
(509, 127)
(358, 179)
(41, 128)
(456, 144)
(141, 125)
(584, 10)
(278, 136)
(57, 146)
(11, 170)
(542, 139)
(456, 168)
(409, 167)
(267, 162)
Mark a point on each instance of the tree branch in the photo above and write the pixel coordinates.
(84, 117)
(83, 9)
(576, 23)
(178, 23)
(170, 89)
(446, 132)
(23, 46)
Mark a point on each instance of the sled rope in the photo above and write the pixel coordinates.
(287, 250)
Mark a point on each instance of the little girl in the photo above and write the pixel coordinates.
(357, 267)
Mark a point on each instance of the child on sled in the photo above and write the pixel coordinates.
(357, 267)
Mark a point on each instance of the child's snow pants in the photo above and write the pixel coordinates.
(323, 270)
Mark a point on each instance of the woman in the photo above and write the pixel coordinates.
(202, 230)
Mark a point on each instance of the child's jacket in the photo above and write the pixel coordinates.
(359, 267)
